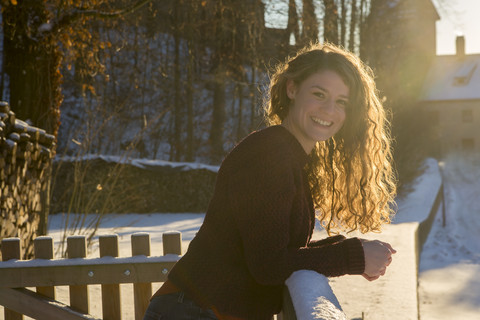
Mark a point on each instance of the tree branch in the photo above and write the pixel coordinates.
(81, 13)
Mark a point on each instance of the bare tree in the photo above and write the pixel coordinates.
(33, 31)
(177, 23)
(343, 23)
(330, 22)
(353, 26)
(292, 25)
(310, 23)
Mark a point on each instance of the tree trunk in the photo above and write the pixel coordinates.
(343, 24)
(222, 59)
(178, 113)
(330, 33)
(240, 130)
(218, 115)
(253, 95)
(353, 26)
(361, 24)
(292, 25)
(32, 63)
(310, 23)
(189, 102)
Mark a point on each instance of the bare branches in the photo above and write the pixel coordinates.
(77, 14)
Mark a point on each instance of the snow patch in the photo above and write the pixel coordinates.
(312, 296)
(140, 163)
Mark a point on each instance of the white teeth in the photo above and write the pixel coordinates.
(322, 122)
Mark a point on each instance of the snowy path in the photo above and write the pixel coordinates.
(449, 282)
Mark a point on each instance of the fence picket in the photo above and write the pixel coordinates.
(77, 248)
(43, 249)
(109, 273)
(172, 242)
(11, 250)
(141, 291)
(111, 309)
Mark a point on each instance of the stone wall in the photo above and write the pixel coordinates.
(25, 158)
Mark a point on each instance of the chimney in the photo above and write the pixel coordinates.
(460, 45)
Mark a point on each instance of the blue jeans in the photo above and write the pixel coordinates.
(175, 306)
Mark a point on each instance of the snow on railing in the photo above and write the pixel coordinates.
(308, 296)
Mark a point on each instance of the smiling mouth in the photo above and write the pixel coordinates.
(322, 122)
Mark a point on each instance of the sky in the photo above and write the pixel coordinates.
(458, 17)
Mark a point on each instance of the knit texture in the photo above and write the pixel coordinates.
(257, 231)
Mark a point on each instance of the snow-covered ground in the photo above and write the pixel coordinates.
(449, 281)
(449, 286)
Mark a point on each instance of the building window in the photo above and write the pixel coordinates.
(467, 116)
(468, 144)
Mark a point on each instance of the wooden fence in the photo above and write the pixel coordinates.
(44, 273)
(77, 272)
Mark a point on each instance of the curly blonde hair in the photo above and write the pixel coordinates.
(351, 176)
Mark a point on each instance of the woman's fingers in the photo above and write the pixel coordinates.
(369, 278)
(378, 255)
(389, 261)
(389, 246)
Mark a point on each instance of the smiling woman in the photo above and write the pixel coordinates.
(318, 107)
(352, 158)
(327, 149)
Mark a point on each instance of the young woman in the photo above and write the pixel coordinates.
(327, 150)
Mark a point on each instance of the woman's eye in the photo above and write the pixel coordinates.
(342, 103)
(319, 94)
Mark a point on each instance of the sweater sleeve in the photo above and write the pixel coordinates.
(326, 241)
(263, 198)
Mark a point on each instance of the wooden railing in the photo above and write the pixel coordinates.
(45, 273)
(78, 272)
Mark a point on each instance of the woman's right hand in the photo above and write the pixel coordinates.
(378, 256)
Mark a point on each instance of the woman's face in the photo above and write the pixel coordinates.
(317, 110)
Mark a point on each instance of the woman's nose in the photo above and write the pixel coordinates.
(328, 105)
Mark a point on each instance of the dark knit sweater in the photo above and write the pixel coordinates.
(257, 231)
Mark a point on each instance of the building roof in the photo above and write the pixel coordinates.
(453, 77)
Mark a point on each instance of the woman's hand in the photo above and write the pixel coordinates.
(378, 256)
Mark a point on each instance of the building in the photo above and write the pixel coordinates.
(399, 44)
(451, 99)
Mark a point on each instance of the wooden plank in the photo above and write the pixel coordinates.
(38, 306)
(85, 271)
(77, 248)
(43, 249)
(110, 292)
(11, 250)
(142, 292)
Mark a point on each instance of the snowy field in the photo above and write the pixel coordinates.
(449, 286)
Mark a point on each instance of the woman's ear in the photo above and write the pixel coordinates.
(291, 89)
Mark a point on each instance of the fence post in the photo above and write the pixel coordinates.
(111, 309)
(11, 250)
(43, 249)
(77, 248)
(172, 242)
(142, 292)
